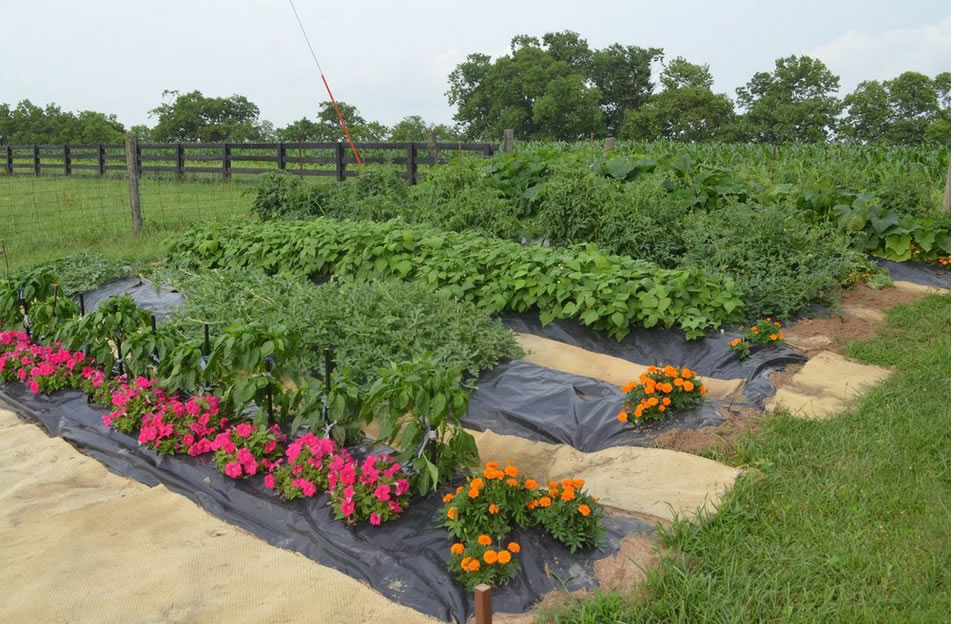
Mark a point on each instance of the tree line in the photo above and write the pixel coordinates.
(556, 87)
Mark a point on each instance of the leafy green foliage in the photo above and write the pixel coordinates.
(607, 292)
(419, 404)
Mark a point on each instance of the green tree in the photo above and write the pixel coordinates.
(796, 102)
(914, 105)
(679, 73)
(527, 88)
(623, 75)
(327, 127)
(28, 124)
(193, 117)
(686, 110)
(867, 113)
(908, 110)
(414, 128)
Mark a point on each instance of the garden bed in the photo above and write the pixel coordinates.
(405, 560)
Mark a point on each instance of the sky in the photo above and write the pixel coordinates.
(392, 59)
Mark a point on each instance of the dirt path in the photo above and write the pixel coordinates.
(80, 544)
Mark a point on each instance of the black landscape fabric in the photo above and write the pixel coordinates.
(405, 560)
(924, 274)
(159, 301)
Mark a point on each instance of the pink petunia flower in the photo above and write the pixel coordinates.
(270, 481)
(244, 430)
(383, 492)
(375, 519)
(233, 469)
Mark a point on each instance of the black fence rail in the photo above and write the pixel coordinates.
(231, 159)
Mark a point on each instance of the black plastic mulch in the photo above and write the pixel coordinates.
(923, 274)
(405, 559)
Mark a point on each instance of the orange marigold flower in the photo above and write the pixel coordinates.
(448, 497)
(568, 494)
(474, 566)
(667, 401)
(584, 509)
(531, 484)
(490, 557)
(652, 402)
(638, 413)
(622, 417)
(777, 324)
(452, 513)
(503, 557)
(457, 549)
(552, 484)
(773, 337)
(666, 387)
(686, 373)
(662, 408)
(670, 371)
(465, 563)
(477, 483)
(513, 547)
(493, 508)
(492, 465)
(532, 504)
(578, 483)
(544, 502)
(688, 386)
(702, 390)
(513, 483)
(653, 369)
(755, 331)
(460, 489)
(781, 335)
(473, 493)
(484, 540)
(735, 342)
(511, 470)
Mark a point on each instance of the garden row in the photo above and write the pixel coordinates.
(789, 236)
(604, 291)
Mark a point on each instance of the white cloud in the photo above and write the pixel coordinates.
(857, 56)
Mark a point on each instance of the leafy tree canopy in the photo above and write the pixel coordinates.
(794, 103)
(193, 117)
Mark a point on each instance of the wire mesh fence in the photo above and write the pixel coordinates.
(55, 199)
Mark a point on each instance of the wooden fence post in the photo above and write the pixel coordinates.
(508, 141)
(132, 172)
(67, 161)
(226, 161)
(339, 161)
(411, 163)
(36, 160)
(281, 156)
(180, 160)
(484, 613)
(101, 157)
(609, 144)
(9, 160)
(432, 149)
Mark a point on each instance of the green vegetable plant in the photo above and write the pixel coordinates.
(418, 404)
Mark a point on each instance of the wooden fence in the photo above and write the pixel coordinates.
(230, 159)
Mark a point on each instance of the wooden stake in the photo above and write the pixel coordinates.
(482, 605)
(132, 172)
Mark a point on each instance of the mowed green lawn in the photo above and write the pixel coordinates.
(46, 217)
(846, 520)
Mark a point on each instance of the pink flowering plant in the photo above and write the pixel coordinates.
(307, 465)
(241, 451)
(177, 426)
(377, 491)
(131, 401)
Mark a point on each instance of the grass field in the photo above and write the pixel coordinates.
(846, 520)
(46, 217)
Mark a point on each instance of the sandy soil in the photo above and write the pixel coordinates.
(80, 544)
